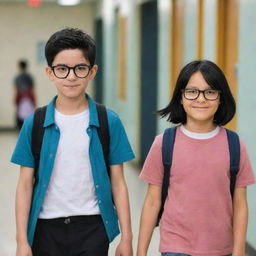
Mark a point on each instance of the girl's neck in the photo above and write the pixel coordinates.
(71, 106)
(200, 127)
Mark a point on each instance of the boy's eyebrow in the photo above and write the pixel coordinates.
(60, 64)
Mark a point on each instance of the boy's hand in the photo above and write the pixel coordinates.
(23, 250)
(124, 248)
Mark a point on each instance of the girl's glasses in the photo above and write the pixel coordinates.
(193, 94)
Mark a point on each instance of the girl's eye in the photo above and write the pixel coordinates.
(210, 92)
(192, 91)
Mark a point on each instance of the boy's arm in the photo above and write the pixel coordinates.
(23, 202)
(121, 199)
(148, 218)
(240, 220)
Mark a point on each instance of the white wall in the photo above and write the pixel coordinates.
(247, 98)
(209, 47)
(21, 29)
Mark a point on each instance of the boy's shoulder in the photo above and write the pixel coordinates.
(111, 113)
(113, 117)
(28, 123)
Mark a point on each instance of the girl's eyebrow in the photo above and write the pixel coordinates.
(194, 87)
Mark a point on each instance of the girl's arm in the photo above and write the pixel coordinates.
(23, 202)
(148, 219)
(121, 199)
(240, 221)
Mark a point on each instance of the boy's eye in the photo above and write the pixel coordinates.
(61, 68)
(81, 68)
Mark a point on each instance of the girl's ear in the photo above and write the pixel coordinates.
(49, 73)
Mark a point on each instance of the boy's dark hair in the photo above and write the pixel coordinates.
(70, 38)
(215, 78)
(23, 64)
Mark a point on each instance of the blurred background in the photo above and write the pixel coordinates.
(141, 47)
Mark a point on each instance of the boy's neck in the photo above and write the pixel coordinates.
(71, 106)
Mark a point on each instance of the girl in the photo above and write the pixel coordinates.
(199, 217)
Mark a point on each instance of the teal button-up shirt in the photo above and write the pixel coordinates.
(120, 151)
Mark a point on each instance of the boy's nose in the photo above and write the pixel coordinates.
(71, 74)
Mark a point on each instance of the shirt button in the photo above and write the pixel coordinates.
(99, 201)
(89, 129)
(97, 186)
(56, 127)
(106, 222)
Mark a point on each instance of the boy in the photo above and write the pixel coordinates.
(69, 211)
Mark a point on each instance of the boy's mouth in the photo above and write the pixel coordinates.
(72, 86)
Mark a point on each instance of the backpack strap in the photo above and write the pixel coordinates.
(234, 153)
(37, 135)
(167, 152)
(103, 133)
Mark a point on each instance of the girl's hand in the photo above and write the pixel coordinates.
(124, 248)
(23, 250)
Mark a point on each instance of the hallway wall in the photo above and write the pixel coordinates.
(22, 29)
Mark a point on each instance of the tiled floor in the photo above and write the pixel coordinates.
(9, 176)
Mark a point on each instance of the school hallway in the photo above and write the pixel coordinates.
(9, 174)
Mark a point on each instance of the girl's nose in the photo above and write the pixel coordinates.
(201, 97)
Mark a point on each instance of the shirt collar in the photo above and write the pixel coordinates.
(93, 116)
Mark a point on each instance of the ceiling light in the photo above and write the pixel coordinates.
(68, 2)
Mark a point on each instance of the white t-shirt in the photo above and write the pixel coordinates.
(71, 188)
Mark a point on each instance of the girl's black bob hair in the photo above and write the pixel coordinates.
(214, 76)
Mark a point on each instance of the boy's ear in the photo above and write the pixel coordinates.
(93, 72)
(49, 73)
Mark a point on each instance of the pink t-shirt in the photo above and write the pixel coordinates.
(197, 218)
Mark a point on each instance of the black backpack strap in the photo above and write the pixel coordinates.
(167, 152)
(234, 153)
(103, 133)
(37, 135)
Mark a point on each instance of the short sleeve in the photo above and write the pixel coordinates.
(120, 148)
(152, 171)
(22, 154)
(245, 175)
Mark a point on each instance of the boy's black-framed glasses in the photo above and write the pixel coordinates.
(193, 94)
(80, 71)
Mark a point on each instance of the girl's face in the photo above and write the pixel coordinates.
(200, 110)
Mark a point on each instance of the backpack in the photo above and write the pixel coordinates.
(167, 152)
(38, 133)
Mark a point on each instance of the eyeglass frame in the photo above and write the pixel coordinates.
(201, 91)
(73, 68)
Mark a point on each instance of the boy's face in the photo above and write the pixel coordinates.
(72, 86)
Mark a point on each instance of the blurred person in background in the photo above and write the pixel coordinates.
(24, 94)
